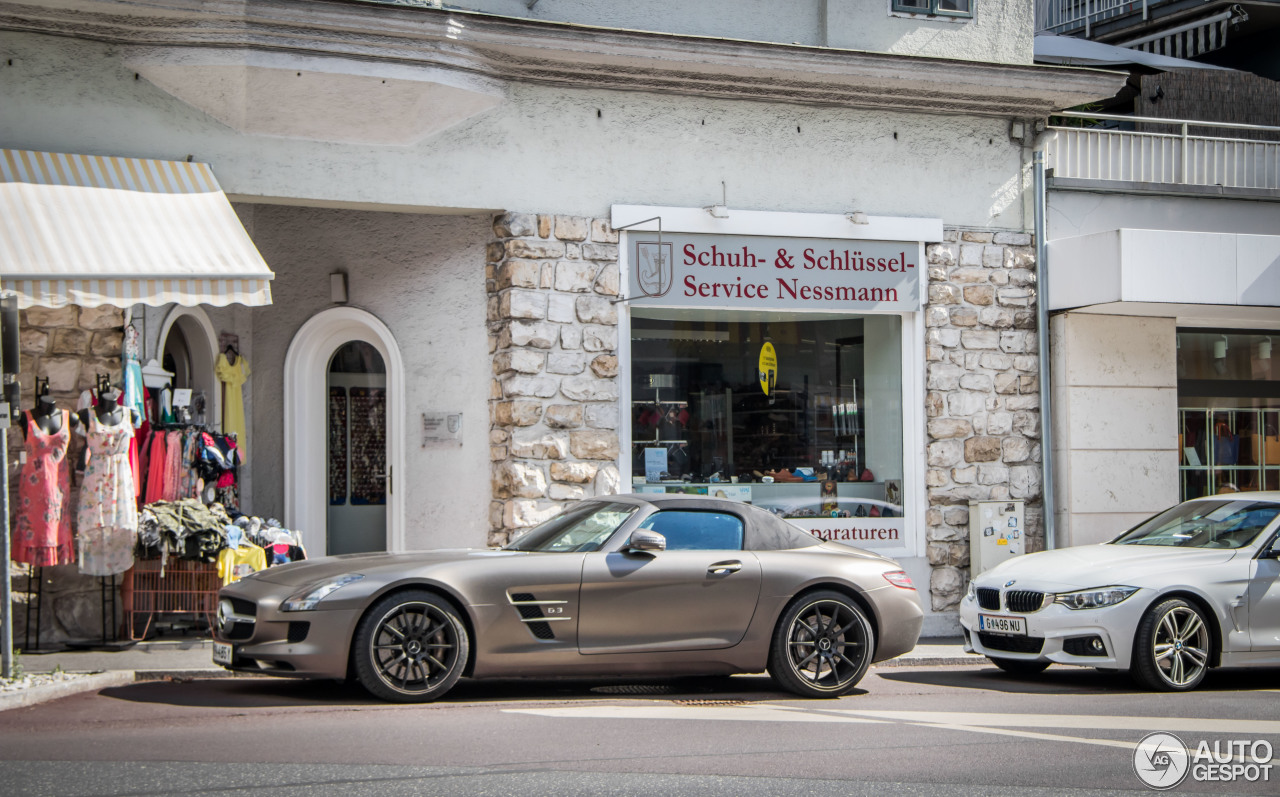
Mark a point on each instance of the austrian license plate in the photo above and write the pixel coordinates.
(221, 653)
(994, 624)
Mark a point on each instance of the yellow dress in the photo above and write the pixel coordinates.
(234, 377)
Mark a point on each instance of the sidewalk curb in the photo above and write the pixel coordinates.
(932, 661)
(45, 692)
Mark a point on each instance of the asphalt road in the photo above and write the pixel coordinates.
(908, 731)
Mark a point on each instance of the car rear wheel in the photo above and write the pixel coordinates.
(411, 647)
(822, 646)
(1020, 666)
(1172, 647)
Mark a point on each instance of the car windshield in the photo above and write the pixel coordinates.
(583, 528)
(1204, 524)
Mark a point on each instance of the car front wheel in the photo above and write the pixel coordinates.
(822, 646)
(1172, 647)
(411, 647)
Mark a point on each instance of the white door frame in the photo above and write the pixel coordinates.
(306, 421)
(203, 357)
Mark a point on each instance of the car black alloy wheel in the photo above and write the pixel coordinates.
(1172, 647)
(410, 647)
(822, 646)
(1020, 666)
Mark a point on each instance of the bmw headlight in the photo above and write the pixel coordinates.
(1094, 598)
(972, 592)
(307, 600)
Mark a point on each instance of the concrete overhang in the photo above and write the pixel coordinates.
(1219, 278)
(420, 69)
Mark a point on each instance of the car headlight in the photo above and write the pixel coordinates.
(306, 601)
(1094, 598)
(972, 592)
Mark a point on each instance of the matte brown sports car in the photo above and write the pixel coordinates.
(630, 584)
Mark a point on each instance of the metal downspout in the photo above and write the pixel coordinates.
(1042, 339)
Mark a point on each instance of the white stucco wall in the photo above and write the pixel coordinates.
(544, 149)
(999, 30)
(1115, 424)
(1073, 213)
(423, 276)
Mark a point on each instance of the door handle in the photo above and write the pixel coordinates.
(724, 568)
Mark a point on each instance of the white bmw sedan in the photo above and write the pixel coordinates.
(1194, 587)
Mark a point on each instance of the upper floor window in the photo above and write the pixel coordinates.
(936, 8)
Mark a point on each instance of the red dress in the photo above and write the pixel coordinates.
(43, 535)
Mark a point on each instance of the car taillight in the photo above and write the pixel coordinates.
(899, 578)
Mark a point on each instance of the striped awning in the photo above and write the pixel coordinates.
(89, 230)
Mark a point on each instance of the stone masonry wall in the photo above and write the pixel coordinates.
(983, 399)
(553, 336)
(69, 345)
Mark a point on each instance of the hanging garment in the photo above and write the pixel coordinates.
(191, 483)
(43, 532)
(155, 468)
(134, 398)
(236, 563)
(172, 465)
(233, 378)
(107, 521)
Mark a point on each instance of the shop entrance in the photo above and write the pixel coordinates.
(357, 450)
(351, 352)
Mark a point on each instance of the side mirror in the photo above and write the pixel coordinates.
(1273, 550)
(646, 541)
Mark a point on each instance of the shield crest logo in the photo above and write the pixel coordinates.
(654, 268)
(453, 423)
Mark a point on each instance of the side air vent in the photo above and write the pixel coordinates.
(531, 614)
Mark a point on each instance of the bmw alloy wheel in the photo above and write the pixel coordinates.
(1173, 647)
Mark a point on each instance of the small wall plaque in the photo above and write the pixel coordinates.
(441, 427)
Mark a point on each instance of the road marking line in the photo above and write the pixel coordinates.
(737, 713)
(1093, 722)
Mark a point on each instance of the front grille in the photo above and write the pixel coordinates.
(1011, 644)
(242, 606)
(1023, 601)
(238, 631)
(989, 599)
(298, 631)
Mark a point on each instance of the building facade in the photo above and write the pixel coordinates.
(526, 254)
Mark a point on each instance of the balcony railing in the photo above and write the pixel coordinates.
(1174, 158)
(1068, 16)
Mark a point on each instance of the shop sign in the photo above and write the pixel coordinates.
(758, 272)
(870, 532)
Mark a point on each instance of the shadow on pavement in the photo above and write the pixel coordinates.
(288, 693)
(1073, 680)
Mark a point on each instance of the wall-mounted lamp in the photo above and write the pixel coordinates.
(720, 211)
(858, 217)
(338, 287)
(1264, 349)
(1220, 348)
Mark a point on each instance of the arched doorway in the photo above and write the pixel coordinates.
(344, 455)
(188, 347)
(357, 450)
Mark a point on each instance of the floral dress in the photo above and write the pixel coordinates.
(107, 523)
(43, 533)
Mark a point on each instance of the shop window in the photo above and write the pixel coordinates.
(1229, 412)
(803, 417)
(935, 8)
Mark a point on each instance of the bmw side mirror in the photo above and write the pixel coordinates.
(646, 541)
